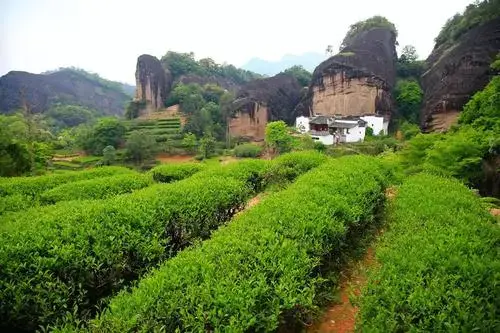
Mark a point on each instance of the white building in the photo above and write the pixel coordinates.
(332, 130)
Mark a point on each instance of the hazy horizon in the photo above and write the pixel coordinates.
(106, 37)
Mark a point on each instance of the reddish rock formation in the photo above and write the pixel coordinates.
(263, 100)
(357, 81)
(455, 72)
(152, 81)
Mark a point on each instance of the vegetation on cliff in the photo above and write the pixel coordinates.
(474, 15)
(368, 24)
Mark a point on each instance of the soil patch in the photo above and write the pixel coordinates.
(165, 158)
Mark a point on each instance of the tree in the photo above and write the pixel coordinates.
(409, 99)
(329, 50)
(107, 132)
(189, 142)
(368, 24)
(300, 73)
(408, 54)
(140, 147)
(108, 155)
(277, 137)
(207, 145)
(133, 109)
(63, 116)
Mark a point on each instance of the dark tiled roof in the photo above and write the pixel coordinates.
(319, 120)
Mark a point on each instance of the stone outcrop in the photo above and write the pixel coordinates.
(153, 82)
(66, 86)
(357, 81)
(261, 101)
(455, 72)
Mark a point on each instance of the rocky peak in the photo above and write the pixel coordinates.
(455, 72)
(153, 82)
(358, 80)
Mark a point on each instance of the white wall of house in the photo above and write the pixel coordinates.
(355, 134)
(302, 124)
(327, 140)
(377, 124)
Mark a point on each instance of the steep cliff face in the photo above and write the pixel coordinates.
(263, 100)
(153, 82)
(455, 72)
(357, 81)
(67, 86)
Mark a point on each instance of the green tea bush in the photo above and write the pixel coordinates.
(166, 173)
(287, 167)
(439, 263)
(248, 150)
(262, 268)
(34, 186)
(63, 259)
(16, 202)
(99, 188)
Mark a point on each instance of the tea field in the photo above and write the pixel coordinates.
(175, 249)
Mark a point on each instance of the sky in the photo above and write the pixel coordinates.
(107, 36)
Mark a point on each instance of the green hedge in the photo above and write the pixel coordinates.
(166, 173)
(260, 269)
(99, 188)
(439, 263)
(247, 150)
(16, 202)
(34, 186)
(64, 260)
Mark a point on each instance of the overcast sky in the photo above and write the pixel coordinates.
(107, 36)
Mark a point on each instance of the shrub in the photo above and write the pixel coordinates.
(80, 251)
(16, 202)
(167, 173)
(260, 269)
(287, 167)
(34, 186)
(247, 150)
(439, 267)
(99, 188)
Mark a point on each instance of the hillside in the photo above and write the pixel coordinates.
(64, 86)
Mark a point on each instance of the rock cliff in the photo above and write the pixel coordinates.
(455, 72)
(67, 86)
(357, 81)
(263, 100)
(153, 82)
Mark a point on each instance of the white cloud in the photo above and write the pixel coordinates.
(106, 36)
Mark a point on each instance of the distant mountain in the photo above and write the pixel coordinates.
(128, 89)
(308, 60)
(65, 86)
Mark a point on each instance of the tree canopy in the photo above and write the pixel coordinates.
(368, 24)
(474, 15)
(300, 73)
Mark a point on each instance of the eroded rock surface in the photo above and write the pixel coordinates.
(357, 81)
(261, 101)
(455, 72)
(153, 82)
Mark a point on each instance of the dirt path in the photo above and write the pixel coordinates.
(165, 158)
(341, 316)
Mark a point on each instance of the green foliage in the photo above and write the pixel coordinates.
(98, 188)
(16, 202)
(414, 153)
(409, 130)
(107, 132)
(305, 142)
(263, 267)
(108, 155)
(368, 24)
(474, 15)
(458, 155)
(184, 63)
(439, 266)
(82, 251)
(61, 116)
(140, 147)
(133, 109)
(408, 66)
(409, 95)
(300, 73)
(247, 150)
(207, 146)
(189, 142)
(167, 173)
(285, 168)
(483, 109)
(277, 137)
